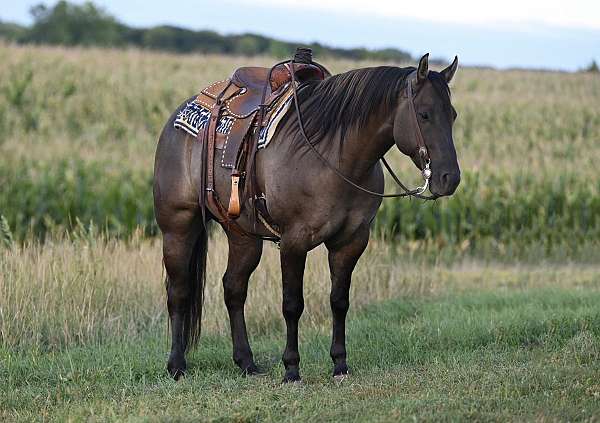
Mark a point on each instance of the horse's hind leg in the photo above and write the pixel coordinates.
(244, 256)
(184, 249)
(177, 172)
(342, 260)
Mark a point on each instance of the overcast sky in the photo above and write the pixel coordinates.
(556, 34)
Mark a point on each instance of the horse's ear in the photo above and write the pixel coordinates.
(449, 72)
(423, 68)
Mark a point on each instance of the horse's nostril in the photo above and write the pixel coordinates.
(444, 179)
(450, 181)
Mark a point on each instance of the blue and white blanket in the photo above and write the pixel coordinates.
(194, 117)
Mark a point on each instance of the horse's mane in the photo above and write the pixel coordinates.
(348, 100)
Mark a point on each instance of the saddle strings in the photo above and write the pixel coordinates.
(407, 193)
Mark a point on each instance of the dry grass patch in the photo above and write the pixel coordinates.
(80, 291)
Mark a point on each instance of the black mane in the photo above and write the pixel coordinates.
(348, 100)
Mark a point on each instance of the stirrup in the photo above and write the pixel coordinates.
(234, 209)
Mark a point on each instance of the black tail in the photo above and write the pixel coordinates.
(197, 281)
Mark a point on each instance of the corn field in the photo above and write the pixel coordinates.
(79, 127)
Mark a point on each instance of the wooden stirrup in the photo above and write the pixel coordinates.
(234, 209)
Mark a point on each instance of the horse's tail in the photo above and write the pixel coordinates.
(192, 323)
(197, 281)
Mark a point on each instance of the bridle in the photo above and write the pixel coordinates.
(422, 151)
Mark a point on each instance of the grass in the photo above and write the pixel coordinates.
(84, 337)
(85, 289)
(109, 106)
(531, 355)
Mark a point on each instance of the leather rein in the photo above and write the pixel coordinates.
(421, 148)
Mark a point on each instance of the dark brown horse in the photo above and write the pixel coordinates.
(352, 119)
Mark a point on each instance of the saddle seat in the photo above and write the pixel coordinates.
(253, 80)
(235, 104)
(254, 77)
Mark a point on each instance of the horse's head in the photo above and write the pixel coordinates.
(433, 117)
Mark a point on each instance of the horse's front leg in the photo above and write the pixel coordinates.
(244, 256)
(292, 272)
(342, 260)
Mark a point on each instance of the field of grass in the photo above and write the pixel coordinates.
(84, 336)
(497, 357)
(484, 306)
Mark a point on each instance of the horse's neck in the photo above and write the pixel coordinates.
(364, 147)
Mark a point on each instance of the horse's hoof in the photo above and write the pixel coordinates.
(176, 373)
(176, 368)
(253, 370)
(341, 370)
(292, 377)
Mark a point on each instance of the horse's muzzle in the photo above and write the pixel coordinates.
(445, 184)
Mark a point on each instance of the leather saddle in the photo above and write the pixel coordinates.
(239, 107)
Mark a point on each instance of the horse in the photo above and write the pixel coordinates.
(351, 119)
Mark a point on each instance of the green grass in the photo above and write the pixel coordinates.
(43, 197)
(558, 214)
(515, 355)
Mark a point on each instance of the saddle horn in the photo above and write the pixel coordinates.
(303, 55)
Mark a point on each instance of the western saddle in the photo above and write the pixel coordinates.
(240, 106)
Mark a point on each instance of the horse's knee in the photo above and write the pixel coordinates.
(340, 303)
(176, 260)
(292, 308)
(176, 254)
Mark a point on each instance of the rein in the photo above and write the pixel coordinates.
(422, 149)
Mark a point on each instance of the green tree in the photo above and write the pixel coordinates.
(72, 24)
(592, 67)
(86, 24)
(280, 49)
(12, 32)
(247, 45)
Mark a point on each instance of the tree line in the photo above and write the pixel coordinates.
(89, 25)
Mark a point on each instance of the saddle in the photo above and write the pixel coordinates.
(240, 107)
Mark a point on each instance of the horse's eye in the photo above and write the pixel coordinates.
(424, 115)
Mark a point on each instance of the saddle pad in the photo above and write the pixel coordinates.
(279, 111)
(194, 117)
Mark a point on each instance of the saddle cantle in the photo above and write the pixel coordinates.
(231, 115)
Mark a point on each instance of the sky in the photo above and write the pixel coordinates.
(550, 34)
